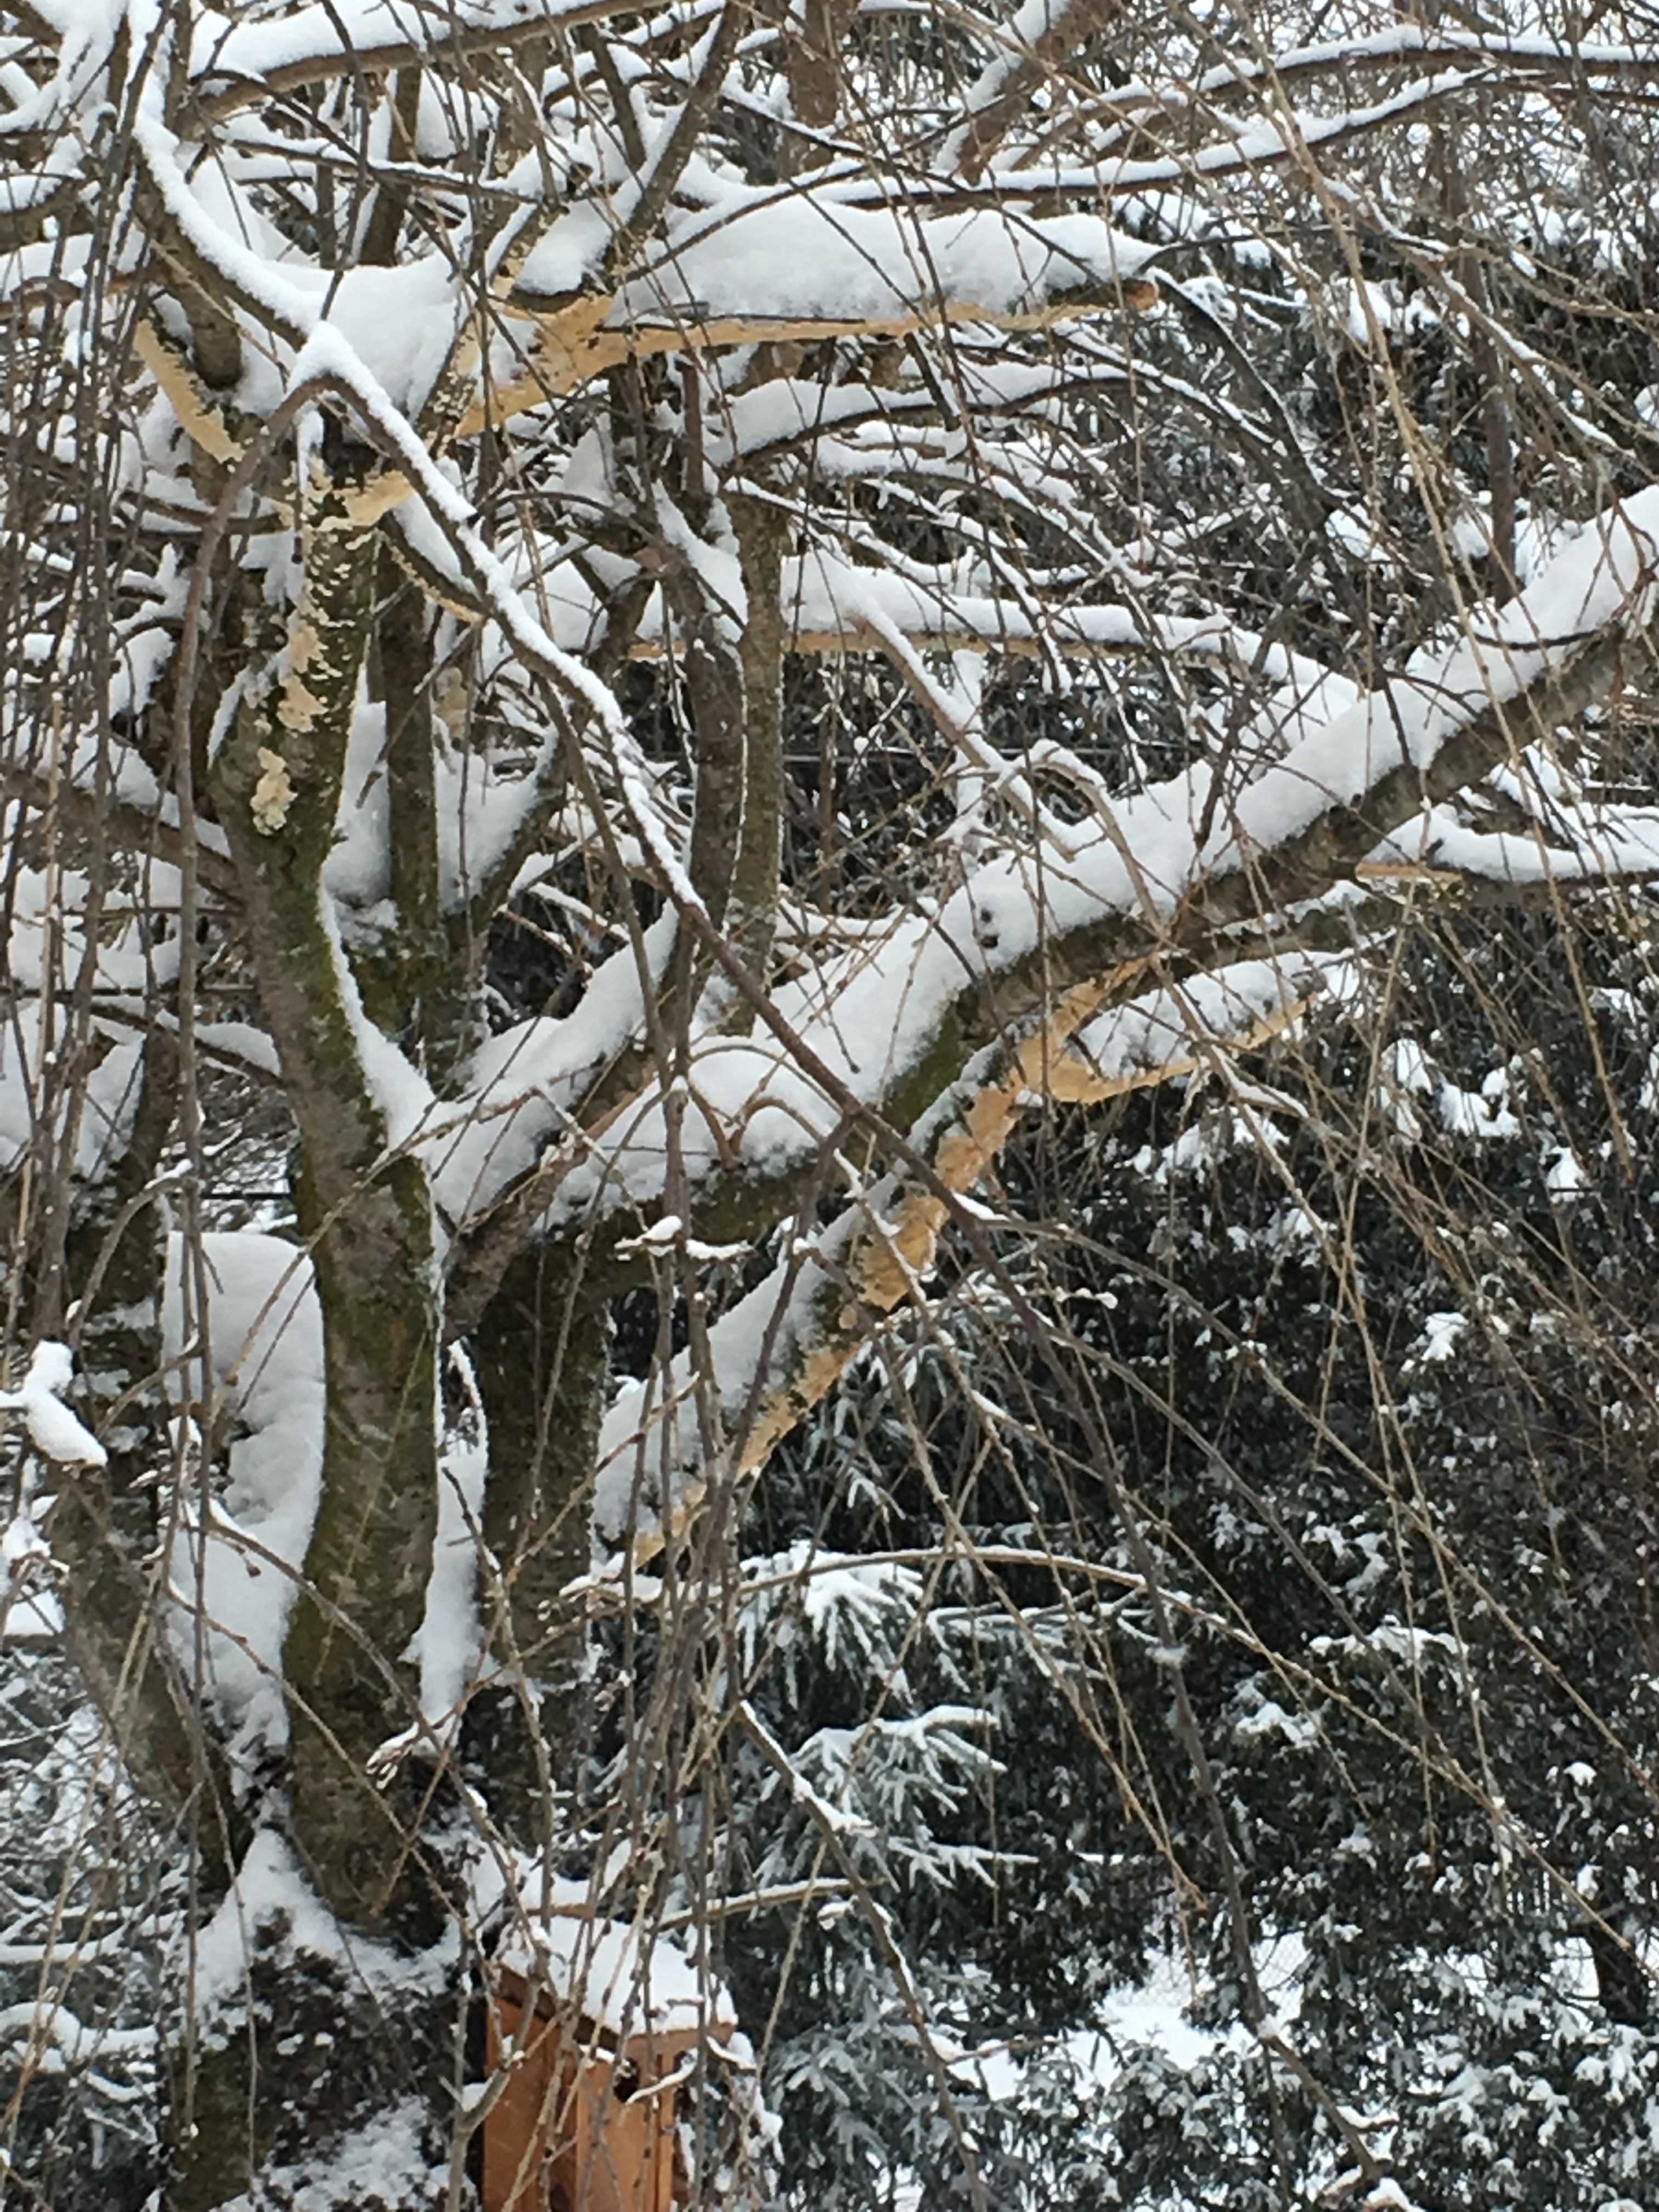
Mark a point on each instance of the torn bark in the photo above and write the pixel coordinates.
(1035, 1012)
(575, 340)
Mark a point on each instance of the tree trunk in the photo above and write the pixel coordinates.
(541, 1360)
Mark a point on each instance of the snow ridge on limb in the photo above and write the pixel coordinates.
(1297, 831)
(253, 60)
(894, 1022)
(782, 1349)
(756, 268)
(56, 1433)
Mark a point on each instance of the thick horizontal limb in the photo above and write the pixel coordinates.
(1032, 1014)
(115, 822)
(814, 1318)
(577, 341)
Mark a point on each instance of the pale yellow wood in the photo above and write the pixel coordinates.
(579, 2126)
(890, 1260)
(576, 342)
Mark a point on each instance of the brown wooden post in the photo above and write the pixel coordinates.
(581, 2125)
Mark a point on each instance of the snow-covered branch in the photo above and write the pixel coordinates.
(764, 268)
(778, 1351)
(56, 1433)
(897, 1018)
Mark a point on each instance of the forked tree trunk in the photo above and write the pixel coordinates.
(347, 2022)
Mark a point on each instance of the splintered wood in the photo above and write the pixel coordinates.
(896, 1252)
(583, 337)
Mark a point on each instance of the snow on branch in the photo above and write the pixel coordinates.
(1292, 135)
(1537, 54)
(757, 267)
(54, 1431)
(59, 2039)
(1082, 936)
(780, 1349)
(1170, 869)
(249, 61)
(840, 607)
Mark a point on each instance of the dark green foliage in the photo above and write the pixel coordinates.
(80, 1907)
(1375, 1388)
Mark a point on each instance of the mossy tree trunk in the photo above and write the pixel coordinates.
(366, 1215)
(303, 596)
(261, 2098)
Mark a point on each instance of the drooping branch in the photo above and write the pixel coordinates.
(1491, 697)
(860, 272)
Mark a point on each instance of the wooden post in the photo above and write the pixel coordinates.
(580, 2126)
